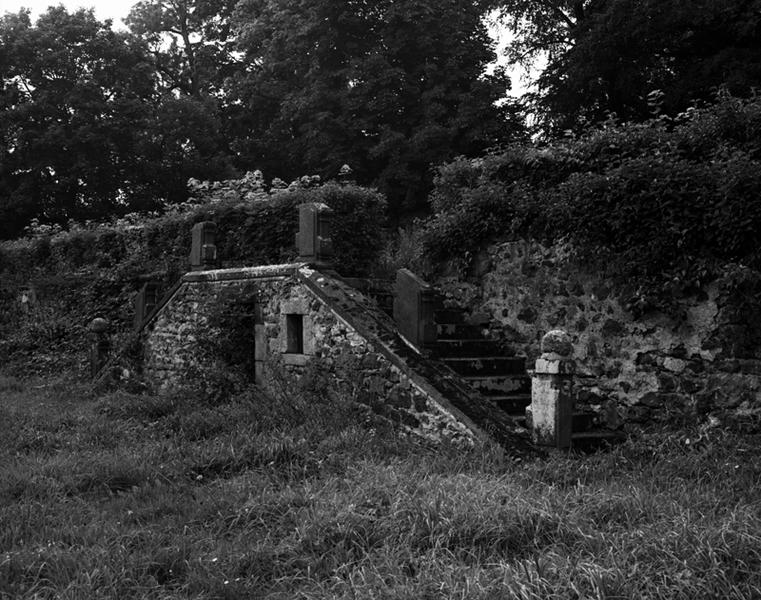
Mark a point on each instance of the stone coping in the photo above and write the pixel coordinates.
(242, 273)
(423, 285)
(443, 386)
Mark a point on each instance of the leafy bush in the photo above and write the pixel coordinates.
(665, 204)
(404, 250)
(247, 234)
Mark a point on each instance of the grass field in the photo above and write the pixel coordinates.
(178, 496)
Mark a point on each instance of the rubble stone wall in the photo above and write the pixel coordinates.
(708, 361)
(173, 348)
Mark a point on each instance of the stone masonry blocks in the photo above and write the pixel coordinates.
(171, 351)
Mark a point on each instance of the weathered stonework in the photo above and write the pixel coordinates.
(654, 367)
(357, 362)
(552, 402)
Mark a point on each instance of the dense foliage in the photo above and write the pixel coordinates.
(97, 123)
(609, 56)
(666, 204)
(95, 270)
(389, 87)
(85, 133)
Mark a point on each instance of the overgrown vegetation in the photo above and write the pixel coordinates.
(97, 122)
(179, 495)
(95, 269)
(609, 58)
(248, 233)
(668, 204)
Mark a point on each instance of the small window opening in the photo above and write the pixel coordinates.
(294, 325)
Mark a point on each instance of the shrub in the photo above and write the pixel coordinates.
(230, 332)
(665, 205)
(405, 250)
(249, 233)
(359, 225)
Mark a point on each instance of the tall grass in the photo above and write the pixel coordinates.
(177, 496)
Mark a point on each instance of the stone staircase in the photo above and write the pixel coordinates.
(487, 367)
(437, 345)
(483, 363)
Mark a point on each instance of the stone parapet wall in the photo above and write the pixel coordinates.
(653, 367)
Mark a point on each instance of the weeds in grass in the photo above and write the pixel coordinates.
(404, 250)
(179, 495)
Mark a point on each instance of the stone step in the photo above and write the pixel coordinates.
(513, 404)
(581, 421)
(491, 365)
(449, 315)
(457, 331)
(584, 421)
(496, 385)
(466, 347)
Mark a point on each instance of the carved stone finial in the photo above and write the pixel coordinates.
(99, 325)
(557, 342)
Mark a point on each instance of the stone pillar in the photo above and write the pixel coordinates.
(203, 251)
(145, 302)
(414, 309)
(100, 344)
(551, 410)
(314, 240)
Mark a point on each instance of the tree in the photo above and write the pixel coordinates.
(84, 131)
(388, 87)
(629, 57)
(193, 45)
(73, 93)
(192, 41)
(543, 27)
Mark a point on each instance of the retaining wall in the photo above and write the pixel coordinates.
(706, 360)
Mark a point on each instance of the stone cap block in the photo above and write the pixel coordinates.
(548, 364)
(99, 325)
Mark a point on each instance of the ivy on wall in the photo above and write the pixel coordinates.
(666, 205)
(110, 262)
